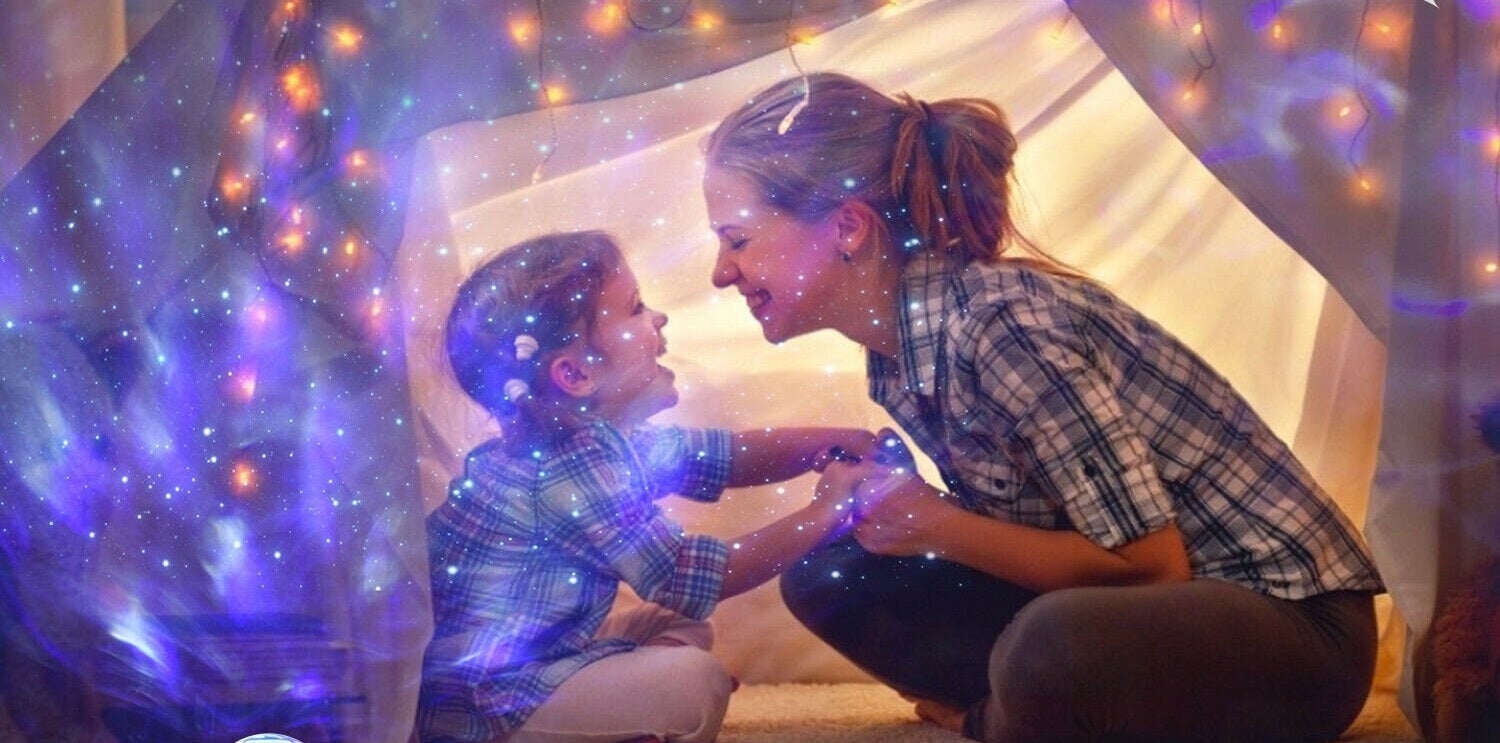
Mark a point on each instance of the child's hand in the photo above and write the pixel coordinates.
(852, 445)
(836, 486)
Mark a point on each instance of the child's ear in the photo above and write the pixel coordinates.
(570, 374)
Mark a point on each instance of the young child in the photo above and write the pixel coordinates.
(529, 549)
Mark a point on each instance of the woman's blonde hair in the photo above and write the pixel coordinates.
(939, 174)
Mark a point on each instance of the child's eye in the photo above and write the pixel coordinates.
(639, 308)
(736, 243)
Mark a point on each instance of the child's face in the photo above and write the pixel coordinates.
(629, 384)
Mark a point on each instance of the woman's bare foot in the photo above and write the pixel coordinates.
(942, 715)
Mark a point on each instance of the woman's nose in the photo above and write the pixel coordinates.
(725, 271)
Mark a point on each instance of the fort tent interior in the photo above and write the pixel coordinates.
(229, 231)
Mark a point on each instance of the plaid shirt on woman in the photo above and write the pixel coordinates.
(1046, 401)
(526, 557)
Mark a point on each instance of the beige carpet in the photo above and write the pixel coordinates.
(869, 713)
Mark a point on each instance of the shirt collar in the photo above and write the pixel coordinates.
(919, 321)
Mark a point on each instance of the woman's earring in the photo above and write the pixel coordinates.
(846, 257)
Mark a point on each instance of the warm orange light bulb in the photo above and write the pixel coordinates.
(358, 161)
(244, 385)
(554, 94)
(1365, 186)
(1387, 30)
(1339, 111)
(234, 188)
(347, 39)
(291, 242)
(243, 479)
(1162, 9)
(522, 29)
(351, 246)
(1494, 143)
(260, 315)
(706, 21)
(1491, 267)
(1197, 29)
(300, 86)
(606, 18)
(290, 10)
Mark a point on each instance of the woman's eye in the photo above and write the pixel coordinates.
(639, 308)
(738, 243)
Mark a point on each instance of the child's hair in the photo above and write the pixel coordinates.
(546, 288)
(939, 174)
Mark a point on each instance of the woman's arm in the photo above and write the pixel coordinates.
(776, 454)
(763, 554)
(899, 514)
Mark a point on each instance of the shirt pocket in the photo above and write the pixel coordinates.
(995, 487)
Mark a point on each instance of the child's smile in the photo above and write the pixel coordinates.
(631, 384)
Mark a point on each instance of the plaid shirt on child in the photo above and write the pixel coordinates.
(1046, 401)
(526, 556)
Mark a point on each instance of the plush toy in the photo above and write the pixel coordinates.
(1466, 658)
(1466, 639)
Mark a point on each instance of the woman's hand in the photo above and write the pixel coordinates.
(898, 514)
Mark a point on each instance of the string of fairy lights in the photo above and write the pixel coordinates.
(1492, 266)
(266, 188)
(1349, 112)
(283, 122)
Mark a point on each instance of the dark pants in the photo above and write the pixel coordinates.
(1203, 661)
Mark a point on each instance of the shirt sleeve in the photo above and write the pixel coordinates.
(691, 462)
(615, 527)
(1069, 431)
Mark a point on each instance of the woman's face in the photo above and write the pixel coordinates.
(786, 269)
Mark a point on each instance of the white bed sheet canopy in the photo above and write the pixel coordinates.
(1104, 184)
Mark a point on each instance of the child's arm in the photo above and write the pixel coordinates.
(762, 554)
(774, 454)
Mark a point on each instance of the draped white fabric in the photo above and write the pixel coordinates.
(1105, 186)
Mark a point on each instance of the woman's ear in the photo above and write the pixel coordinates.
(854, 222)
(569, 373)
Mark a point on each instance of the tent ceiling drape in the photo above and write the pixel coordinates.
(295, 409)
(1105, 185)
(1364, 134)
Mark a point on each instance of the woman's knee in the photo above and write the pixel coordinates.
(1049, 658)
(809, 585)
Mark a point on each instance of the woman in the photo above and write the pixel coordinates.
(1121, 549)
